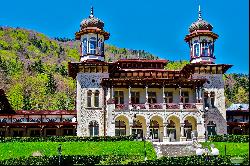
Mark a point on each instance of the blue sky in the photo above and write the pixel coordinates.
(158, 26)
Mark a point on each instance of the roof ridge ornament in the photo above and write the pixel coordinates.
(199, 13)
(91, 12)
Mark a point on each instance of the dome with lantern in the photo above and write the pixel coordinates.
(92, 21)
(200, 24)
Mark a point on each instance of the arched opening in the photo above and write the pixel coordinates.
(93, 128)
(173, 128)
(190, 127)
(206, 99)
(89, 96)
(211, 128)
(196, 49)
(96, 101)
(156, 128)
(139, 127)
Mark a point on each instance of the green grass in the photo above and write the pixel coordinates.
(25, 149)
(232, 148)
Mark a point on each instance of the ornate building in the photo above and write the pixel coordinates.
(134, 96)
(139, 96)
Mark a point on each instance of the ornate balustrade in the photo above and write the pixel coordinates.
(172, 106)
(139, 106)
(189, 106)
(121, 106)
(156, 106)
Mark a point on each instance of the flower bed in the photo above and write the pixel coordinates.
(229, 138)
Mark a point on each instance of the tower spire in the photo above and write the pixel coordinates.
(199, 13)
(91, 12)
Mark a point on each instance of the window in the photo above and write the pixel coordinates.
(205, 49)
(152, 97)
(206, 99)
(93, 128)
(154, 129)
(135, 97)
(211, 128)
(120, 128)
(119, 97)
(89, 95)
(92, 45)
(50, 132)
(35, 133)
(196, 49)
(211, 49)
(212, 97)
(68, 132)
(100, 47)
(97, 98)
(184, 97)
(168, 97)
(84, 46)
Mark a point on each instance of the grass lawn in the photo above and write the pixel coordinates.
(18, 149)
(231, 147)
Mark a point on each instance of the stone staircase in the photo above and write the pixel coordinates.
(175, 150)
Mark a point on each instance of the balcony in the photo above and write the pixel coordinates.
(159, 106)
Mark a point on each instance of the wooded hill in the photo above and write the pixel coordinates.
(33, 70)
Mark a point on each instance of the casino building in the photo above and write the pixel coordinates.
(140, 97)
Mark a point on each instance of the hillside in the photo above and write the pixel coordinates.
(33, 70)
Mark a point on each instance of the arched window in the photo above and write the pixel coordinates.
(205, 49)
(211, 48)
(92, 45)
(84, 46)
(206, 99)
(97, 98)
(171, 130)
(93, 128)
(212, 97)
(120, 128)
(196, 49)
(154, 129)
(187, 129)
(89, 96)
(211, 128)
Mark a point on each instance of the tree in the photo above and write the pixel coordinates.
(51, 84)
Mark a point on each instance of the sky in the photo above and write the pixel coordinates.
(156, 26)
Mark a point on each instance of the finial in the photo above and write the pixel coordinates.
(199, 12)
(91, 12)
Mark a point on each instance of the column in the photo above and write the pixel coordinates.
(129, 94)
(163, 98)
(148, 130)
(165, 134)
(196, 95)
(180, 103)
(182, 138)
(146, 94)
(112, 92)
(200, 91)
(146, 103)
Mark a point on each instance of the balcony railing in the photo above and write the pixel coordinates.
(121, 106)
(156, 106)
(172, 106)
(189, 106)
(139, 106)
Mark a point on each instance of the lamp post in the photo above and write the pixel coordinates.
(204, 116)
(59, 153)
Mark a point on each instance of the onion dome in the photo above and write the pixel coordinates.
(92, 21)
(200, 24)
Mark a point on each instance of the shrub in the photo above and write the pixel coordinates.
(229, 138)
(65, 139)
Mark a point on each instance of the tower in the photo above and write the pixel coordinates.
(92, 38)
(201, 41)
(89, 73)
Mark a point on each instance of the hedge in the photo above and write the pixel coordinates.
(229, 138)
(72, 160)
(191, 160)
(65, 139)
(125, 160)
